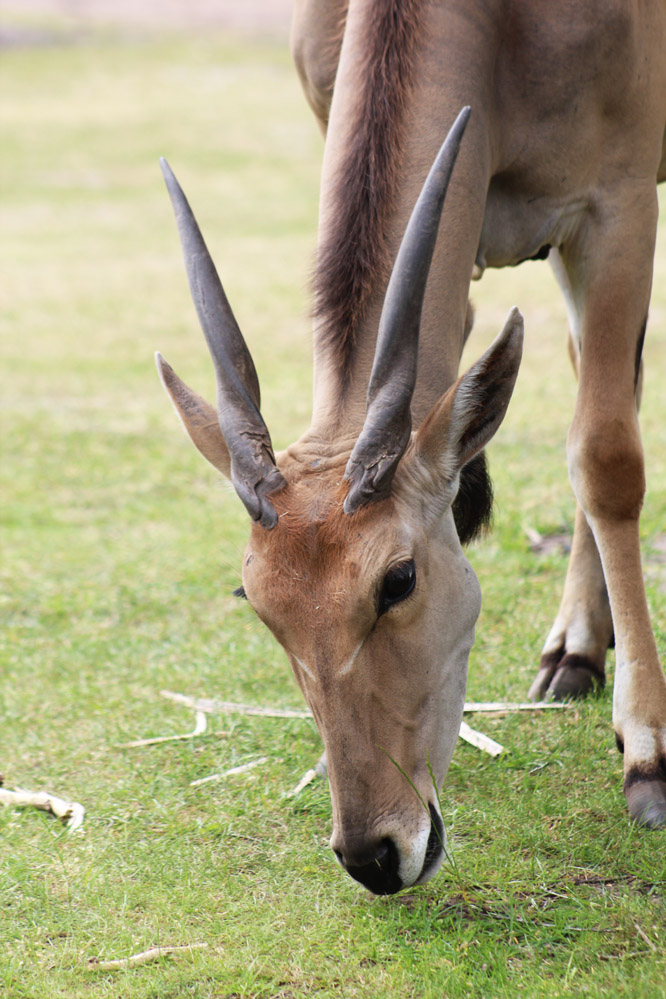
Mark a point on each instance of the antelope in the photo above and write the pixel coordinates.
(555, 122)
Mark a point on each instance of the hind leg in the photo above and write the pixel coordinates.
(574, 654)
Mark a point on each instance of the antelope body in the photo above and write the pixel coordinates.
(355, 560)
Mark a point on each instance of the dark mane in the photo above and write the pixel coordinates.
(353, 253)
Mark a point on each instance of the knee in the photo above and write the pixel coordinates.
(607, 469)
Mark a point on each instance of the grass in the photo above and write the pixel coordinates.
(120, 554)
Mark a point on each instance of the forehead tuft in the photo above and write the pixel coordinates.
(312, 527)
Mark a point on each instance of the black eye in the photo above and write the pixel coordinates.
(397, 585)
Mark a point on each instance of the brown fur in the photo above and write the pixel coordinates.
(312, 529)
(353, 254)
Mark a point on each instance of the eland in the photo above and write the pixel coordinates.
(555, 124)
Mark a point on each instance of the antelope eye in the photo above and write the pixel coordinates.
(398, 583)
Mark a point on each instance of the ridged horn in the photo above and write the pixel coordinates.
(254, 473)
(388, 421)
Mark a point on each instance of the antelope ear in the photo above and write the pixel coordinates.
(462, 422)
(197, 416)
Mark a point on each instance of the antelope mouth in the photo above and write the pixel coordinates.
(435, 847)
(378, 866)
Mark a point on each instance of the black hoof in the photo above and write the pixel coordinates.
(541, 683)
(576, 676)
(566, 677)
(646, 800)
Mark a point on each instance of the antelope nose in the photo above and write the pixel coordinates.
(374, 864)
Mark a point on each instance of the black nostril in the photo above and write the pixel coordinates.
(382, 852)
(379, 872)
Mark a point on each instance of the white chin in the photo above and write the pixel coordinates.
(432, 870)
(411, 867)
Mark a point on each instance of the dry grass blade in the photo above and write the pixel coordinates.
(643, 935)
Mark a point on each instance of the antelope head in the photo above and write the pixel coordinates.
(354, 562)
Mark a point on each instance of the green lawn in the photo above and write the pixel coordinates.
(120, 552)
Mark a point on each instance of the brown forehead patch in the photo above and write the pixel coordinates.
(312, 528)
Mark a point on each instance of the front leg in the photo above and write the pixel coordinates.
(609, 267)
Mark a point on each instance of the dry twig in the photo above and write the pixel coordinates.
(479, 740)
(318, 771)
(468, 734)
(145, 957)
(230, 707)
(69, 812)
(507, 707)
(228, 773)
(199, 729)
